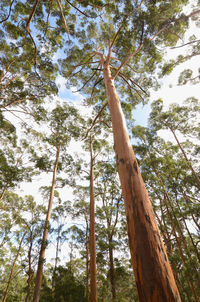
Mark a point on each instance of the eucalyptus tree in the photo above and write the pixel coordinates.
(166, 176)
(50, 155)
(108, 215)
(181, 120)
(131, 53)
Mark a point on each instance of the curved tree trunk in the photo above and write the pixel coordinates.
(154, 278)
(38, 281)
(93, 273)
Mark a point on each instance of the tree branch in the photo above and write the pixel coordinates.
(81, 12)
(31, 15)
(94, 121)
(63, 17)
(185, 44)
(8, 12)
(122, 23)
(86, 82)
(126, 60)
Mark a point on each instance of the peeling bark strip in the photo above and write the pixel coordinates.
(153, 274)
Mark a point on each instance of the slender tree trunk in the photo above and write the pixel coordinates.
(167, 204)
(12, 270)
(3, 192)
(112, 271)
(56, 260)
(193, 218)
(87, 260)
(186, 158)
(30, 272)
(38, 280)
(93, 277)
(154, 278)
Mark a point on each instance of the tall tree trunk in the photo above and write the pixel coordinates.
(112, 270)
(87, 259)
(93, 277)
(12, 270)
(154, 278)
(172, 218)
(56, 260)
(30, 271)
(38, 280)
(185, 156)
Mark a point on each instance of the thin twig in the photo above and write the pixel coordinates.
(81, 12)
(127, 59)
(131, 87)
(8, 12)
(185, 44)
(95, 84)
(122, 23)
(94, 121)
(86, 82)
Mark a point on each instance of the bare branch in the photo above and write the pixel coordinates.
(122, 23)
(185, 44)
(95, 84)
(127, 59)
(95, 119)
(86, 63)
(35, 48)
(131, 87)
(86, 82)
(31, 15)
(81, 12)
(12, 103)
(63, 17)
(8, 12)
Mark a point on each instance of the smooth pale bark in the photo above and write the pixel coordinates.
(93, 273)
(38, 281)
(153, 275)
(12, 270)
